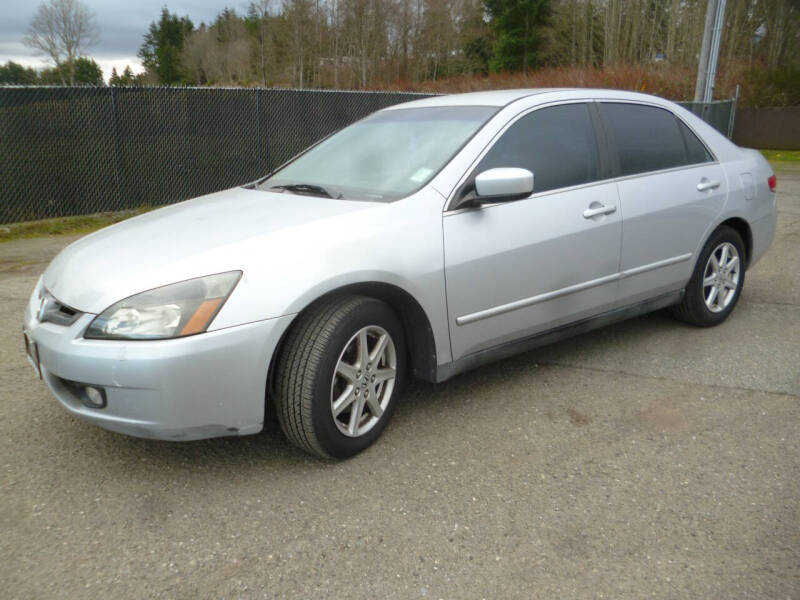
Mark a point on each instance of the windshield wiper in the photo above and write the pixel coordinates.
(306, 188)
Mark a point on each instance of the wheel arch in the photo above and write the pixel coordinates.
(420, 340)
(742, 227)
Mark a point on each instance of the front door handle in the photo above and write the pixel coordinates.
(707, 184)
(599, 210)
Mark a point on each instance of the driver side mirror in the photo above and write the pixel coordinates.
(498, 185)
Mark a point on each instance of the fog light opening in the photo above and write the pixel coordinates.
(93, 397)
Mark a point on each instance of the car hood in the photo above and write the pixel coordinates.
(210, 234)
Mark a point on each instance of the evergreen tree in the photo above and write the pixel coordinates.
(126, 78)
(85, 72)
(13, 73)
(162, 47)
(518, 27)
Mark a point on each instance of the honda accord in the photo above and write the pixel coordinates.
(423, 240)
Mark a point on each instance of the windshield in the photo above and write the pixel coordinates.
(383, 157)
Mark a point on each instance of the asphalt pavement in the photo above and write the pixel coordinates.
(647, 459)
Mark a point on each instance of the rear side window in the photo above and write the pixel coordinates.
(647, 138)
(696, 152)
(557, 144)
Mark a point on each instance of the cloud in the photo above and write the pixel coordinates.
(122, 27)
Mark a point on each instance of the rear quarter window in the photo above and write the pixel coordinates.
(696, 151)
(647, 138)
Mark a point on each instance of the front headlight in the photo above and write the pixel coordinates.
(171, 311)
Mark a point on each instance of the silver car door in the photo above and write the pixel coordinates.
(517, 268)
(670, 192)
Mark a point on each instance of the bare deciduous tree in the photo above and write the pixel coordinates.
(62, 29)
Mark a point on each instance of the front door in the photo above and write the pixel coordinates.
(517, 268)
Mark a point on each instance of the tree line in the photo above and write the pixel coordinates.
(363, 44)
(83, 71)
(373, 43)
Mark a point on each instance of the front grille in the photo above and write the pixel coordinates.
(53, 311)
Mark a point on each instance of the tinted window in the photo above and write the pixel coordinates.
(647, 138)
(696, 152)
(557, 144)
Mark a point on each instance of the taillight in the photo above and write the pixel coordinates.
(773, 183)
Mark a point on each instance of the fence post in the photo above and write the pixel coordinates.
(117, 153)
(732, 119)
(190, 154)
(258, 134)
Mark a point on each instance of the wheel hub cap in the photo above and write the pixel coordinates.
(363, 381)
(721, 277)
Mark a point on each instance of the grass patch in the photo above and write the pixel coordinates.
(781, 155)
(66, 225)
(783, 160)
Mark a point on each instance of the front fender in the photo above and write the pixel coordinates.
(398, 244)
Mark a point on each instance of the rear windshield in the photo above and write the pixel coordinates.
(386, 156)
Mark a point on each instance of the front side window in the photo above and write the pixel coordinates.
(647, 138)
(557, 144)
(384, 157)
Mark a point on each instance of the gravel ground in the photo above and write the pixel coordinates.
(648, 459)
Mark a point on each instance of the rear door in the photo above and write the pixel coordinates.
(671, 189)
(517, 268)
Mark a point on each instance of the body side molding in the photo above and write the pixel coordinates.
(525, 302)
(506, 350)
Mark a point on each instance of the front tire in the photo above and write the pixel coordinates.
(717, 281)
(339, 374)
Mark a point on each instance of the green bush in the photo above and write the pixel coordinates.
(772, 87)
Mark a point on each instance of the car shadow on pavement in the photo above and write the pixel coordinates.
(634, 331)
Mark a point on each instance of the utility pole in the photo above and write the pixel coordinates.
(709, 53)
(705, 51)
(716, 40)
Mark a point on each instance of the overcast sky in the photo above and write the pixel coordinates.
(122, 26)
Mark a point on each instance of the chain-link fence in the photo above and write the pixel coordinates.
(81, 150)
(719, 113)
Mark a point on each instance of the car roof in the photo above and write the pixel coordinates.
(501, 98)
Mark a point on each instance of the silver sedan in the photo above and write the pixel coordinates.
(424, 240)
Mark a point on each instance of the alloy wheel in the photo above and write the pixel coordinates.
(721, 277)
(363, 381)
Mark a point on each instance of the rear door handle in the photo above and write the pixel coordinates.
(600, 210)
(707, 184)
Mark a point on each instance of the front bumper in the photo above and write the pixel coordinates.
(208, 385)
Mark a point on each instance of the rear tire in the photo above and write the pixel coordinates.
(332, 399)
(717, 281)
